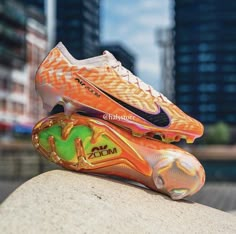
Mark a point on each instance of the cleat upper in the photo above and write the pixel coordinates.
(100, 85)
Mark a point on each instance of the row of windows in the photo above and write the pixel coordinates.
(186, 98)
(204, 47)
(201, 88)
(206, 67)
(192, 16)
(207, 108)
(192, 36)
(201, 77)
(211, 118)
(12, 86)
(207, 57)
(209, 87)
(200, 29)
(14, 107)
(206, 5)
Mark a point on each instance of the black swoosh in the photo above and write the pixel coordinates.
(161, 119)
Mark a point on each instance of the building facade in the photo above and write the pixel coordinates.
(13, 95)
(74, 22)
(36, 50)
(78, 26)
(16, 82)
(205, 59)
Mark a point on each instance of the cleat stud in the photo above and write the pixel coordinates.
(177, 138)
(190, 140)
(159, 182)
(177, 194)
(53, 154)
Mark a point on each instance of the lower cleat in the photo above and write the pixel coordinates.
(92, 145)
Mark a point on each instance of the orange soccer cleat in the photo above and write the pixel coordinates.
(100, 87)
(92, 145)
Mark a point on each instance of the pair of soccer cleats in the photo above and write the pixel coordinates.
(123, 144)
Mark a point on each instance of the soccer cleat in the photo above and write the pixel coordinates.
(101, 87)
(91, 145)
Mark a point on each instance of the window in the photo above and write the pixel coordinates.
(185, 69)
(207, 107)
(231, 118)
(206, 57)
(207, 87)
(3, 105)
(3, 84)
(230, 78)
(230, 58)
(209, 67)
(229, 68)
(230, 88)
(187, 108)
(185, 58)
(185, 98)
(184, 88)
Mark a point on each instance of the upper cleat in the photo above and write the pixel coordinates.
(103, 88)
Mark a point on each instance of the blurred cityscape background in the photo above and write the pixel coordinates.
(186, 49)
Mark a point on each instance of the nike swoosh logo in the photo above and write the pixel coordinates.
(160, 119)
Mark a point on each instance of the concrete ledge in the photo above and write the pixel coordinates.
(66, 202)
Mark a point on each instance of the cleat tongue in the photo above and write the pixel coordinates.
(110, 57)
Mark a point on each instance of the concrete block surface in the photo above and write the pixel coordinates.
(66, 202)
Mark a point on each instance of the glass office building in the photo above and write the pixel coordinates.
(12, 34)
(77, 24)
(205, 59)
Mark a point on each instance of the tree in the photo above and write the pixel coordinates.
(218, 133)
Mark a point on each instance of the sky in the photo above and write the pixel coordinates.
(133, 23)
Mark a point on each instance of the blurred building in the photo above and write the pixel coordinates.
(13, 96)
(78, 26)
(48, 8)
(122, 54)
(76, 23)
(36, 49)
(164, 38)
(39, 4)
(205, 59)
(16, 87)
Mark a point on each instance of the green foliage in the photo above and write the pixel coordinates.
(218, 133)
